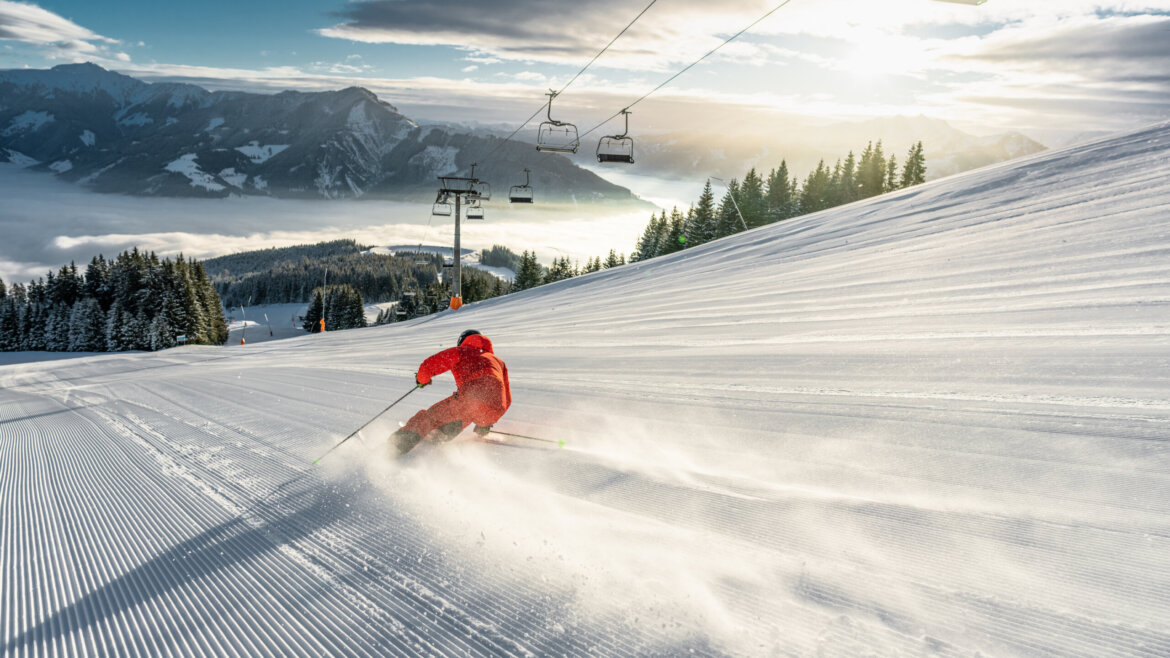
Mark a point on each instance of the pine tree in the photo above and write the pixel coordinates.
(57, 328)
(647, 246)
(529, 275)
(750, 197)
(701, 229)
(872, 171)
(355, 309)
(210, 304)
(814, 196)
(35, 319)
(502, 288)
(3, 289)
(836, 194)
(114, 321)
(847, 187)
(9, 337)
(134, 332)
(160, 333)
(87, 326)
(561, 269)
(672, 241)
(612, 260)
(315, 312)
(780, 201)
(892, 174)
(914, 171)
(727, 217)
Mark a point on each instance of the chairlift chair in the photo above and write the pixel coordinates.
(442, 208)
(617, 148)
(480, 190)
(475, 211)
(556, 136)
(521, 193)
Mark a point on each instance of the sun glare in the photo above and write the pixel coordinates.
(876, 54)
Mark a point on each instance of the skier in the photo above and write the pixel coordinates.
(483, 393)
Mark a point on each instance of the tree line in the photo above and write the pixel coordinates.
(289, 275)
(134, 302)
(531, 273)
(756, 200)
(340, 306)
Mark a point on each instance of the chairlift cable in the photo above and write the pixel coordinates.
(574, 79)
(611, 42)
(689, 66)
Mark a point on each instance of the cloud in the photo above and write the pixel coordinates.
(341, 68)
(1112, 48)
(48, 223)
(31, 24)
(550, 31)
(1093, 72)
(469, 69)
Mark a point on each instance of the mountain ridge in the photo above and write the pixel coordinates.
(114, 133)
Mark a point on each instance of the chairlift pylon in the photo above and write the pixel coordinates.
(556, 136)
(521, 193)
(617, 148)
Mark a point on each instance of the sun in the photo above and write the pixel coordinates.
(874, 54)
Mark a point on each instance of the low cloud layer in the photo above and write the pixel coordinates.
(46, 223)
(57, 36)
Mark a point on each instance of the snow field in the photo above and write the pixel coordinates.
(929, 424)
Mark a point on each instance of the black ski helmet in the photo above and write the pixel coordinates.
(463, 336)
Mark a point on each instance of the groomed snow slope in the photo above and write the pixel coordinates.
(933, 423)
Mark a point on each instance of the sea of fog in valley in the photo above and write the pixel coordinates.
(47, 223)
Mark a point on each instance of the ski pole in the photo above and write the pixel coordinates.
(560, 442)
(355, 432)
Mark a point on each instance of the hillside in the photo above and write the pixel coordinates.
(113, 133)
(932, 423)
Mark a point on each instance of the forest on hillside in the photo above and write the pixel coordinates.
(292, 274)
(758, 200)
(136, 301)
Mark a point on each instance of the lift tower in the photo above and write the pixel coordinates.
(460, 189)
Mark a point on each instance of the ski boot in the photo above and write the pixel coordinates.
(449, 431)
(402, 441)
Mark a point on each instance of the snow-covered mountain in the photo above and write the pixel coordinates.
(933, 423)
(117, 134)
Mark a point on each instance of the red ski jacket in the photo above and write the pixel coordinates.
(479, 373)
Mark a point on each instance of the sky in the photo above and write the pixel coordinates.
(1036, 66)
